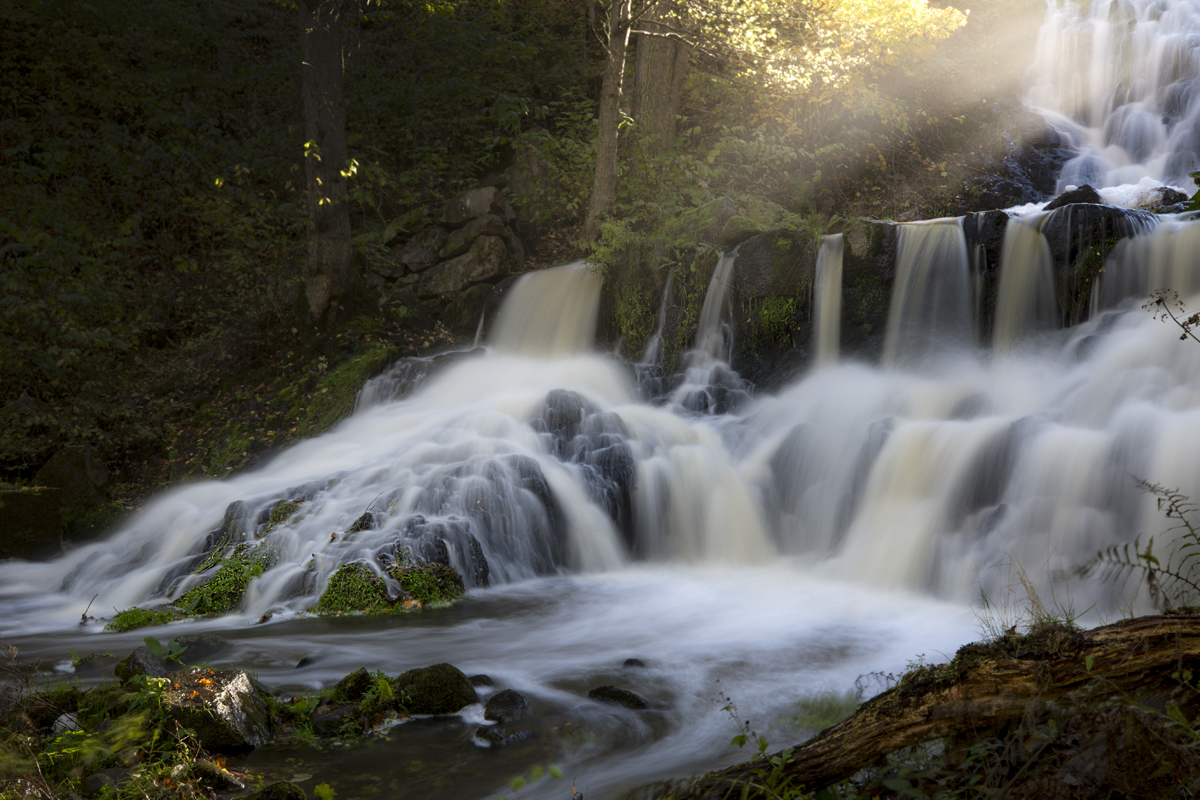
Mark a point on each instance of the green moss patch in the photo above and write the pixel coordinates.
(354, 589)
(281, 513)
(430, 583)
(222, 593)
(133, 618)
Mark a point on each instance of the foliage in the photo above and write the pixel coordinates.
(354, 589)
(429, 582)
(222, 593)
(133, 618)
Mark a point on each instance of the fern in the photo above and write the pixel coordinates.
(1178, 576)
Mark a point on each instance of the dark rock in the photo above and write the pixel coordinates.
(488, 260)
(197, 647)
(461, 239)
(306, 661)
(94, 661)
(620, 697)
(480, 680)
(423, 250)
(77, 472)
(216, 777)
(1082, 194)
(282, 790)
(365, 522)
(142, 661)
(484, 200)
(439, 689)
(634, 662)
(30, 521)
(462, 314)
(330, 720)
(112, 779)
(515, 246)
(223, 707)
(351, 688)
(505, 706)
(491, 735)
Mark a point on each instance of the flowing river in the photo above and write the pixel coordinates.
(793, 549)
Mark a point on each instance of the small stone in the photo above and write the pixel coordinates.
(490, 735)
(480, 680)
(620, 697)
(634, 662)
(96, 783)
(67, 722)
(505, 706)
(283, 790)
(307, 661)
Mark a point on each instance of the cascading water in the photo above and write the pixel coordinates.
(828, 290)
(1025, 302)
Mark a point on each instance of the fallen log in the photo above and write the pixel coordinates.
(988, 685)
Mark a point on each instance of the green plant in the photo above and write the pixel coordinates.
(171, 651)
(134, 618)
(223, 592)
(536, 773)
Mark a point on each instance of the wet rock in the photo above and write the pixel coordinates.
(330, 720)
(351, 688)
(423, 250)
(197, 647)
(306, 661)
(484, 200)
(487, 261)
(223, 707)
(216, 777)
(282, 790)
(491, 735)
(95, 661)
(505, 706)
(142, 661)
(634, 662)
(365, 522)
(66, 722)
(620, 697)
(30, 521)
(480, 680)
(1081, 194)
(463, 312)
(439, 689)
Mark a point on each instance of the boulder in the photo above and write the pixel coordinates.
(351, 688)
(484, 200)
(461, 239)
(422, 251)
(1081, 194)
(77, 472)
(462, 314)
(30, 521)
(620, 697)
(439, 689)
(505, 706)
(223, 707)
(142, 661)
(704, 223)
(281, 790)
(737, 230)
(488, 260)
(106, 781)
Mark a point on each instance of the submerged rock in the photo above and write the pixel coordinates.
(223, 707)
(282, 790)
(620, 697)
(480, 680)
(491, 735)
(505, 706)
(439, 689)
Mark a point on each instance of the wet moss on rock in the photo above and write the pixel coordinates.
(354, 589)
(222, 593)
(281, 512)
(439, 689)
(133, 618)
(430, 582)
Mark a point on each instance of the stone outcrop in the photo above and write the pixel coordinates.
(223, 707)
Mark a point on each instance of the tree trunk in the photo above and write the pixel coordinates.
(604, 187)
(327, 267)
(978, 691)
(658, 84)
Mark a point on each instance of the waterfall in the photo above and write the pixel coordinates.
(1119, 80)
(714, 335)
(931, 305)
(1025, 302)
(554, 314)
(827, 322)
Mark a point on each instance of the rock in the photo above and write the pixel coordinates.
(351, 688)
(488, 260)
(77, 472)
(112, 779)
(223, 707)
(411, 222)
(30, 521)
(484, 200)
(737, 230)
(306, 661)
(463, 312)
(490, 735)
(330, 720)
(142, 661)
(439, 689)
(421, 251)
(515, 246)
(1081, 194)
(66, 722)
(505, 706)
(634, 662)
(282, 790)
(620, 697)
(216, 777)
(705, 223)
(461, 239)
(480, 680)
(198, 646)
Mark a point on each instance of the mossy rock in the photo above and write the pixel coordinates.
(281, 512)
(737, 230)
(351, 688)
(354, 589)
(702, 224)
(223, 592)
(429, 582)
(283, 790)
(133, 618)
(439, 689)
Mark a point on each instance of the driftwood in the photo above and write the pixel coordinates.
(986, 687)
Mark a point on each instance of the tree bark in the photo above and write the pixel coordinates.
(1133, 658)
(327, 267)
(604, 187)
(658, 83)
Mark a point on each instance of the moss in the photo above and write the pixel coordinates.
(333, 397)
(364, 523)
(281, 513)
(222, 593)
(429, 583)
(774, 322)
(354, 589)
(133, 618)
(439, 689)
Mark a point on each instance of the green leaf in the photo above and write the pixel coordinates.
(324, 791)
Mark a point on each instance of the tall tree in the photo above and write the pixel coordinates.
(661, 61)
(327, 266)
(604, 187)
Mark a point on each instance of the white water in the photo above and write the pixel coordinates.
(827, 321)
(1025, 302)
